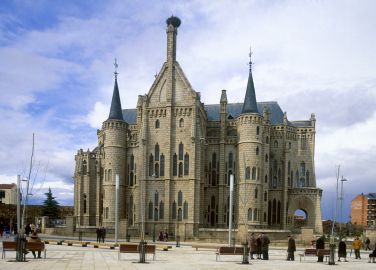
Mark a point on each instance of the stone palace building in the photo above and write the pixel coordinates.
(174, 156)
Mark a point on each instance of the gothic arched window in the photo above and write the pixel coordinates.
(256, 193)
(257, 151)
(156, 170)
(151, 165)
(175, 165)
(250, 214)
(181, 150)
(214, 160)
(266, 158)
(180, 198)
(186, 164)
(230, 159)
(156, 152)
(85, 203)
(157, 124)
(179, 214)
(185, 212)
(150, 210)
(161, 210)
(132, 162)
(275, 144)
(257, 130)
(173, 210)
(84, 167)
(181, 122)
(180, 169)
(253, 173)
(161, 167)
(247, 173)
(302, 168)
(307, 178)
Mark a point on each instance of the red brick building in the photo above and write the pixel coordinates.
(363, 209)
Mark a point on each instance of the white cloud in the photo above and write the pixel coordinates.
(98, 114)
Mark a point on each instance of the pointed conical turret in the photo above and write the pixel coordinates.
(116, 112)
(250, 104)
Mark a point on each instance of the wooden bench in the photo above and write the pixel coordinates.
(229, 251)
(8, 246)
(308, 252)
(205, 246)
(134, 248)
(73, 242)
(97, 245)
(50, 241)
(36, 246)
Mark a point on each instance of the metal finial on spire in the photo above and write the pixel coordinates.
(116, 67)
(250, 57)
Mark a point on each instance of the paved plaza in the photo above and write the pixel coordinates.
(185, 257)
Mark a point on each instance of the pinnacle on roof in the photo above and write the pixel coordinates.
(116, 111)
(250, 104)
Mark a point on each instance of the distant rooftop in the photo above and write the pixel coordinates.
(7, 186)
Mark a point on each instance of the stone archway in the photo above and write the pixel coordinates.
(300, 218)
(305, 205)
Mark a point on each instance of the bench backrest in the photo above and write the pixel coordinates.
(231, 250)
(323, 252)
(310, 251)
(35, 246)
(11, 245)
(150, 248)
(128, 248)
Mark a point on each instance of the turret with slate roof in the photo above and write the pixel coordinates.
(116, 112)
(250, 104)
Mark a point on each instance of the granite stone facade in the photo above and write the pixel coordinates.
(174, 156)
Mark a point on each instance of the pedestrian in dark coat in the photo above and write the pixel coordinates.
(320, 244)
(291, 248)
(342, 250)
(103, 234)
(99, 236)
(252, 243)
(27, 229)
(265, 246)
(258, 247)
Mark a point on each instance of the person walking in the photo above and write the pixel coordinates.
(265, 246)
(258, 247)
(342, 250)
(357, 244)
(372, 256)
(99, 236)
(252, 243)
(291, 248)
(27, 229)
(35, 239)
(103, 234)
(367, 242)
(320, 244)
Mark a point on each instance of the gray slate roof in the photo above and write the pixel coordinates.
(371, 195)
(116, 111)
(233, 110)
(250, 104)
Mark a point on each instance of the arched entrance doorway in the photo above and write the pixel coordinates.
(300, 218)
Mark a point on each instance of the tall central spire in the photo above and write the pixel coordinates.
(116, 112)
(172, 30)
(250, 104)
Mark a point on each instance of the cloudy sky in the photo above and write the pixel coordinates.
(56, 75)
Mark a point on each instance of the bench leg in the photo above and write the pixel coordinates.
(3, 255)
(44, 253)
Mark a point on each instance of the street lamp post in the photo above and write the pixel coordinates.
(230, 210)
(332, 245)
(341, 206)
